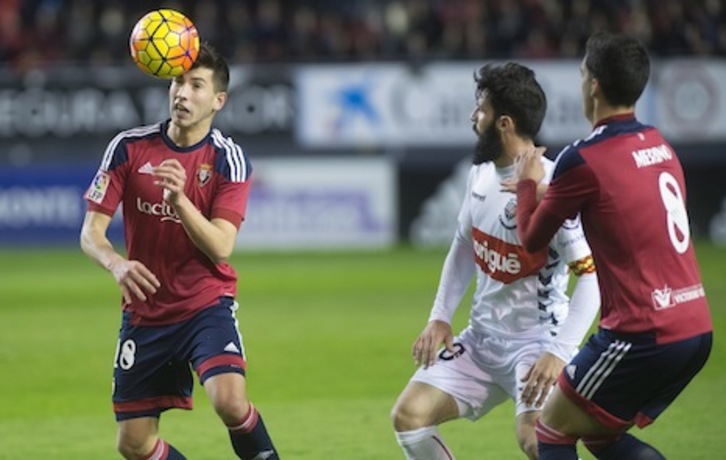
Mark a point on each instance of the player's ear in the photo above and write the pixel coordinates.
(594, 87)
(220, 99)
(505, 123)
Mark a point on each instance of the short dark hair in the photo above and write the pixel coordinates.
(513, 90)
(621, 66)
(209, 58)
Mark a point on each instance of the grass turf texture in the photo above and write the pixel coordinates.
(327, 336)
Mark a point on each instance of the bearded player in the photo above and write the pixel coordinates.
(522, 326)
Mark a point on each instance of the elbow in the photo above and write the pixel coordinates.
(530, 246)
(84, 241)
(218, 259)
(221, 254)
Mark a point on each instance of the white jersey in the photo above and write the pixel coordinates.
(518, 294)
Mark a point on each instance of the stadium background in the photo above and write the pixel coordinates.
(355, 116)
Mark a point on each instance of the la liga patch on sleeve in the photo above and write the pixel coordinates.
(98, 187)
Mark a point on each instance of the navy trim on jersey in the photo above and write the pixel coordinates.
(116, 153)
(170, 143)
(230, 161)
(569, 159)
(570, 156)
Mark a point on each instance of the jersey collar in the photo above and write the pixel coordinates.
(625, 117)
(170, 143)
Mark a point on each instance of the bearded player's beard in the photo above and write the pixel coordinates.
(489, 145)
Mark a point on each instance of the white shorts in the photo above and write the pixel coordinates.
(483, 372)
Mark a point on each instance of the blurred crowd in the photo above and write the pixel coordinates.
(42, 32)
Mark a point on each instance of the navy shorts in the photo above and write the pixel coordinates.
(626, 379)
(152, 366)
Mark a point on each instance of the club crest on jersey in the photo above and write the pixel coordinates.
(204, 174)
(508, 218)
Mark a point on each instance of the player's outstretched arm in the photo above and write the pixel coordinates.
(216, 238)
(456, 275)
(134, 279)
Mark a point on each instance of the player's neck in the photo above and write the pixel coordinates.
(186, 137)
(512, 149)
(604, 111)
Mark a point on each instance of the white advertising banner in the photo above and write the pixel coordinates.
(321, 203)
(398, 105)
(384, 104)
(690, 100)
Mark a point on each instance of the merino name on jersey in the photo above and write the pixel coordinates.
(652, 155)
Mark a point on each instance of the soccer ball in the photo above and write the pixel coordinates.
(164, 43)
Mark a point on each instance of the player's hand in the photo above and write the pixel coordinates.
(541, 378)
(171, 175)
(134, 279)
(529, 165)
(510, 185)
(427, 343)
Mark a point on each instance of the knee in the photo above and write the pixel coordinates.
(134, 447)
(527, 440)
(529, 447)
(231, 409)
(404, 417)
(228, 396)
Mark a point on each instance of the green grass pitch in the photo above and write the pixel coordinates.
(327, 337)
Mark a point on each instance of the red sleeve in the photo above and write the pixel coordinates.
(535, 227)
(231, 201)
(106, 191)
(564, 199)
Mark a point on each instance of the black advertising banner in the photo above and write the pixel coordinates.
(71, 113)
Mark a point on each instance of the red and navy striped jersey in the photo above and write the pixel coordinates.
(218, 178)
(627, 183)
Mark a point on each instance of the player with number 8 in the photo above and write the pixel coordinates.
(655, 331)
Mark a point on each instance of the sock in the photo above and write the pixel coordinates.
(423, 444)
(250, 439)
(553, 445)
(164, 451)
(625, 447)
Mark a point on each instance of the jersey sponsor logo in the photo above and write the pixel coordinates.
(652, 156)
(503, 261)
(668, 298)
(446, 355)
(163, 210)
(204, 174)
(508, 218)
(97, 191)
